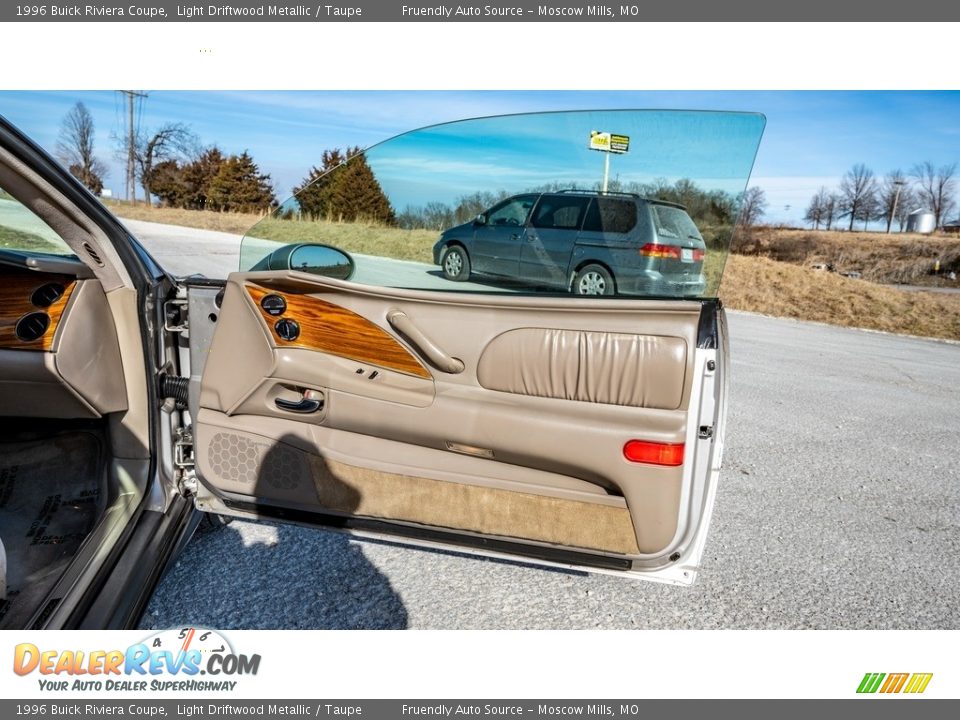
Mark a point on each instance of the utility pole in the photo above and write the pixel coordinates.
(896, 199)
(131, 191)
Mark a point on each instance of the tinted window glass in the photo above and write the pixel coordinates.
(674, 223)
(21, 230)
(401, 207)
(611, 215)
(512, 212)
(562, 212)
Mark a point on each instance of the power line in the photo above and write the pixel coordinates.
(132, 129)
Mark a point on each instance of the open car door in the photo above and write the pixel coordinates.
(367, 392)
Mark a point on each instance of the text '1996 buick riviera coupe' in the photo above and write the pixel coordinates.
(563, 403)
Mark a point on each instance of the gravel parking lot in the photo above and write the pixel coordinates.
(838, 508)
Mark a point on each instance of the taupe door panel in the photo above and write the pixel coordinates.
(73, 369)
(296, 471)
(598, 367)
(575, 442)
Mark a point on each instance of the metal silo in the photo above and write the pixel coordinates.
(921, 221)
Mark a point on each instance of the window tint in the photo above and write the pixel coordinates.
(512, 212)
(21, 230)
(612, 215)
(674, 223)
(562, 212)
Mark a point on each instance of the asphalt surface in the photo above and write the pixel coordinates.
(838, 507)
(187, 251)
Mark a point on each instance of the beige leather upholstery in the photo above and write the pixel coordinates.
(609, 368)
(620, 370)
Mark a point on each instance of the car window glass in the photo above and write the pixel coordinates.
(611, 215)
(673, 223)
(21, 230)
(560, 212)
(406, 209)
(512, 212)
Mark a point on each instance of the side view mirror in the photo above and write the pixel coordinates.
(310, 258)
(480, 219)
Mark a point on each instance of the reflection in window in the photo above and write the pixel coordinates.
(561, 212)
(609, 215)
(23, 231)
(512, 212)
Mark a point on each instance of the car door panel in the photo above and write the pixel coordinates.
(493, 459)
(73, 368)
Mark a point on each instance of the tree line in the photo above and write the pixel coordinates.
(864, 197)
(706, 207)
(171, 166)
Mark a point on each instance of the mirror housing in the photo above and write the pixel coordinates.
(313, 258)
(480, 219)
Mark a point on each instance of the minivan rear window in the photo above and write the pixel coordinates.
(674, 223)
(611, 215)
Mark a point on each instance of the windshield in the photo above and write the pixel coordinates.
(22, 231)
(531, 203)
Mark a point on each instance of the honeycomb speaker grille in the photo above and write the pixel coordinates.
(241, 460)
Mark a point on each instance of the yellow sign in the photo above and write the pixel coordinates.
(609, 142)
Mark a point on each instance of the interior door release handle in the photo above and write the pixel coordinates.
(402, 323)
(306, 404)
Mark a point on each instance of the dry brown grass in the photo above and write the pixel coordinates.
(894, 258)
(775, 280)
(237, 223)
(775, 288)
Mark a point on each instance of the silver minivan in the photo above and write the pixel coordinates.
(588, 243)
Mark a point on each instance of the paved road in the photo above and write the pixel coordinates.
(839, 507)
(186, 251)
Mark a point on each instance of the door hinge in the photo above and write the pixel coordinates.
(183, 461)
(175, 315)
(705, 432)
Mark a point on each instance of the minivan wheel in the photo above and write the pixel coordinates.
(456, 264)
(593, 280)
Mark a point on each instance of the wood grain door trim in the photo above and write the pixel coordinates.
(16, 290)
(330, 328)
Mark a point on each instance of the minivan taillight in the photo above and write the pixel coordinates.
(669, 252)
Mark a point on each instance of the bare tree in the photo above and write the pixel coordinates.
(936, 188)
(753, 205)
(171, 141)
(831, 210)
(857, 190)
(75, 148)
(894, 196)
(817, 208)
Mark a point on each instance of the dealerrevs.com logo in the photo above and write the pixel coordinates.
(892, 683)
(185, 654)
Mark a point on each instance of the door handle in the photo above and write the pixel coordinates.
(402, 323)
(303, 405)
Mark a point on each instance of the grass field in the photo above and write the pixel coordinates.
(761, 285)
(895, 258)
(237, 223)
(20, 240)
(771, 276)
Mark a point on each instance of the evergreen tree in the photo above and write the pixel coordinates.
(166, 182)
(346, 192)
(313, 194)
(239, 186)
(197, 176)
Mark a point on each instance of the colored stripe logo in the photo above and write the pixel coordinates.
(913, 683)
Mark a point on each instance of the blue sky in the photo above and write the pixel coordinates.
(811, 138)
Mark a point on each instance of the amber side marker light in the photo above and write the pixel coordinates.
(653, 453)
